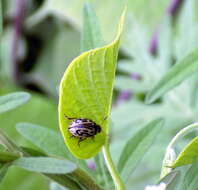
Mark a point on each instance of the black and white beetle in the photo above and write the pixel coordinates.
(83, 128)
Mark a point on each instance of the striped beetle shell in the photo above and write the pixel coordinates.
(83, 128)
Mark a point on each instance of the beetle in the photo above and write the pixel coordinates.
(83, 128)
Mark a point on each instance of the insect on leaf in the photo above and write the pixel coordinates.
(86, 92)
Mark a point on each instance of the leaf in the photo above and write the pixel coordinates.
(55, 186)
(7, 143)
(171, 180)
(179, 72)
(52, 59)
(3, 170)
(188, 155)
(86, 92)
(136, 147)
(46, 139)
(91, 34)
(65, 181)
(45, 165)
(13, 100)
(190, 181)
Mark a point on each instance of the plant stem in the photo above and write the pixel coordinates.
(112, 169)
(170, 155)
(181, 133)
(105, 176)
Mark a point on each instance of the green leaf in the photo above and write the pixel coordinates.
(179, 72)
(136, 147)
(7, 143)
(86, 92)
(13, 100)
(171, 180)
(188, 155)
(91, 34)
(46, 139)
(3, 170)
(190, 181)
(65, 181)
(45, 165)
(55, 186)
(52, 60)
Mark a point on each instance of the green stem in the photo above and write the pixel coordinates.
(170, 154)
(181, 133)
(112, 169)
(102, 165)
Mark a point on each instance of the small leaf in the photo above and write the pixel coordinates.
(46, 139)
(86, 92)
(45, 165)
(190, 181)
(13, 100)
(179, 72)
(91, 35)
(188, 155)
(136, 147)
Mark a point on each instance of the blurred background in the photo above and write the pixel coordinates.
(41, 37)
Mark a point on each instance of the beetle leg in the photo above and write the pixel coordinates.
(93, 138)
(70, 118)
(80, 140)
(105, 118)
(72, 136)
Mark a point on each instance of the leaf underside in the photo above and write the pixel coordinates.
(86, 92)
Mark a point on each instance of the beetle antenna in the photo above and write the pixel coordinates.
(105, 118)
(70, 118)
